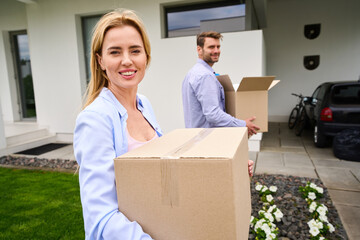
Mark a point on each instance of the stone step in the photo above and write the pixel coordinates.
(26, 143)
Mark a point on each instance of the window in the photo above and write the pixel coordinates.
(191, 19)
(87, 24)
(346, 94)
(21, 55)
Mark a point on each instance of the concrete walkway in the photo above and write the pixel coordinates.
(284, 153)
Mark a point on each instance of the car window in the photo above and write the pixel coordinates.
(316, 92)
(346, 94)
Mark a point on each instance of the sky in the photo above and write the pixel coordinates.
(179, 20)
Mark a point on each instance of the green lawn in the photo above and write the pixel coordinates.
(39, 205)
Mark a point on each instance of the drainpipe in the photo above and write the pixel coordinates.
(2, 132)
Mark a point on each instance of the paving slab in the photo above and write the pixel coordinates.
(347, 198)
(350, 217)
(301, 160)
(325, 153)
(336, 163)
(270, 159)
(338, 178)
(253, 156)
(305, 172)
(291, 143)
(356, 173)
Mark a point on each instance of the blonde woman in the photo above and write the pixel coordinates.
(115, 119)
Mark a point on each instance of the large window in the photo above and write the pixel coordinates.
(191, 19)
(88, 23)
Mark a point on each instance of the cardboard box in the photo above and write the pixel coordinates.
(249, 99)
(189, 184)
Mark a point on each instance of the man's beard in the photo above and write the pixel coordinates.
(208, 59)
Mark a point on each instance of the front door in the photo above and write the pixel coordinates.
(22, 63)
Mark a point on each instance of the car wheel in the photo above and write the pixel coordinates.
(320, 140)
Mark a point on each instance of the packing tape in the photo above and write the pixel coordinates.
(177, 152)
(169, 170)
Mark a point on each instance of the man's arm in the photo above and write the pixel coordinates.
(208, 93)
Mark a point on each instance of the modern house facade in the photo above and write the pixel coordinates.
(273, 43)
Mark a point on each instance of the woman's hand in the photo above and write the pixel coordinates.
(250, 167)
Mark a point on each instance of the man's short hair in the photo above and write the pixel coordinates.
(200, 39)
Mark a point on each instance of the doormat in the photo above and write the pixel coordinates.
(43, 149)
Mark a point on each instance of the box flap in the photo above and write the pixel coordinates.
(226, 82)
(191, 143)
(255, 83)
(274, 83)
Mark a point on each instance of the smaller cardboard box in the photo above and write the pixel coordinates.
(188, 184)
(249, 99)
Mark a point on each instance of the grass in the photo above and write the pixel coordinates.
(39, 205)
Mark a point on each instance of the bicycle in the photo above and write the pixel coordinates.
(298, 117)
(295, 112)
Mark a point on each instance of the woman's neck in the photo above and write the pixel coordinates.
(126, 96)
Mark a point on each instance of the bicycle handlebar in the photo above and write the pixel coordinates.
(300, 96)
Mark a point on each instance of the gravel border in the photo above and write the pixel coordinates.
(287, 198)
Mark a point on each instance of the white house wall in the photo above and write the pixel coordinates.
(59, 71)
(338, 46)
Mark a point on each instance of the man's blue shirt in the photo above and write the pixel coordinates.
(204, 99)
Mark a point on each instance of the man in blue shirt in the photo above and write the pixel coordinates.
(202, 94)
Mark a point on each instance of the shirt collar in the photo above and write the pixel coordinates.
(207, 66)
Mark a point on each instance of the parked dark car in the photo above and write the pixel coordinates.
(332, 108)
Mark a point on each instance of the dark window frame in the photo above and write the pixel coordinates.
(194, 6)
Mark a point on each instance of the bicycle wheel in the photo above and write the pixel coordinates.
(293, 118)
(299, 127)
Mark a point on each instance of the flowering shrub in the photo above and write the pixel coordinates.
(311, 191)
(319, 224)
(264, 227)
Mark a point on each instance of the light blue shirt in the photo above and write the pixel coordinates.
(99, 137)
(204, 99)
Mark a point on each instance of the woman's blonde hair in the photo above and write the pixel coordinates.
(116, 18)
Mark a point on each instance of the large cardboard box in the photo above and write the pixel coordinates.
(189, 184)
(249, 99)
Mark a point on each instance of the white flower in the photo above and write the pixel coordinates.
(266, 228)
(271, 208)
(269, 198)
(321, 238)
(258, 187)
(320, 190)
(273, 188)
(324, 207)
(323, 218)
(312, 207)
(278, 215)
(251, 221)
(321, 210)
(319, 224)
(314, 231)
(312, 196)
(259, 224)
(272, 235)
(313, 185)
(264, 188)
(312, 223)
(331, 227)
(269, 216)
(261, 212)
